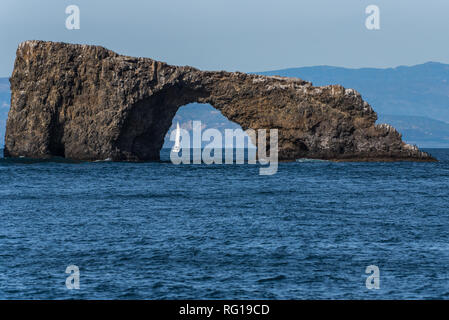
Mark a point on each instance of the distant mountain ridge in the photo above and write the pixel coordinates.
(413, 99)
(421, 90)
(422, 131)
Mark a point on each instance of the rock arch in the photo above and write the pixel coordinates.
(88, 103)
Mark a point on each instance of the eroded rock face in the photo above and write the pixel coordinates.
(88, 103)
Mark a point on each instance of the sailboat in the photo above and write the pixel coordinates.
(177, 146)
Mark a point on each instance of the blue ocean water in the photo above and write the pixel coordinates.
(162, 231)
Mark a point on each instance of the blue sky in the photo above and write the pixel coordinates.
(244, 35)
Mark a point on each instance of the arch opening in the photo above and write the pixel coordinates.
(210, 118)
(147, 121)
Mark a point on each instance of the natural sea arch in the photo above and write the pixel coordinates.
(88, 103)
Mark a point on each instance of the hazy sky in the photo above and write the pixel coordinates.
(244, 35)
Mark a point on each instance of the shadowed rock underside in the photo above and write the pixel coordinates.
(89, 103)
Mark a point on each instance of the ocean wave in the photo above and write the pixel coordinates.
(311, 160)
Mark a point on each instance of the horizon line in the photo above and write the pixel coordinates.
(326, 66)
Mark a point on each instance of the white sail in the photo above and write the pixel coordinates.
(177, 146)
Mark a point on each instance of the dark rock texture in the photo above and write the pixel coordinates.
(86, 102)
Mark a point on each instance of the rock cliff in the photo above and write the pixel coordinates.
(86, 102)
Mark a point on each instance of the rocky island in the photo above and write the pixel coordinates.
(88, 103)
